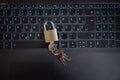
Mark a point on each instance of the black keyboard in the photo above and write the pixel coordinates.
(78, 25)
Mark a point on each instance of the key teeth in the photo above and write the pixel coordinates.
(63, 61)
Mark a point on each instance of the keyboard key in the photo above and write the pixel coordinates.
(31, 12)
(7, 36)
(63, 11)
(31, 36)
(84, 27)
(73, 19)
(111, 19)
(72, 44)
(104, 19)
(24, 36)
(98, 27)
(40, 12)
(64, 44)
(81, 20)
(111, 11)
(19, 28)
(80, 11)
(8, 12)
(23, 12)
(67, 27)
(102, 44)
(82, 44)
(8, 20)
(104, 12)
(105, 35)
(48, 12)
(55, 12)
(89, 11)
(112, 35)
(29, 44)
(32, 20)
(105, 27)
(90, 43)
(112, 44)
(39, 36)
(98, 19)
(59, 27)
(15, 36)
(90, 20)
(16, 20)
(40, 20)
(64, 36)
(35, 28)
(3, 28)
(98, 35)
(72, 35)
(56, 19)
(90, 27)
(24, 20)
(7, 44)
(72, 12)
(50, 19)
(27, 28)
(64, 19)
(98, 12)
(112, 27)
(76, 27)
(16, 12)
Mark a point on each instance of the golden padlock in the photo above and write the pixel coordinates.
(50, 35)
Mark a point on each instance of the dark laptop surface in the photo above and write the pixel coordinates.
(88, 31)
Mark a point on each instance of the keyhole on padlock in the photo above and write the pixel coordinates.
(49, 26)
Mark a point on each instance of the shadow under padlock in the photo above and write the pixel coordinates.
(50, 35)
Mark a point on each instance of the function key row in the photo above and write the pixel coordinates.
(100, 5)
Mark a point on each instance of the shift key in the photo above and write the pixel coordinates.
(29, 44)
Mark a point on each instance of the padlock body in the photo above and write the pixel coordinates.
(50, 35)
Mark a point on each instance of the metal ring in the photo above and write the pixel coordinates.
(50, 22)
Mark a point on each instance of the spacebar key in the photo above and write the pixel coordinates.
(29, 44)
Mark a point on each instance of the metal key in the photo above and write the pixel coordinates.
(58, 53)
(61, 55)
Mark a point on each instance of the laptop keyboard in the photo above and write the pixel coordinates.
(78, 25)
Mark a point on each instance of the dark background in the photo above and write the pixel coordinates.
(39, 64)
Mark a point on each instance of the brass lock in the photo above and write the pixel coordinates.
(50, 35)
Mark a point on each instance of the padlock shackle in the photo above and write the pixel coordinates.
(53, 25)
